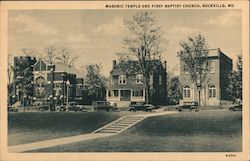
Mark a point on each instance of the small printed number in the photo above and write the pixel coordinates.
(230, 155)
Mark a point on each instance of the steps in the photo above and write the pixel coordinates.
(120, 125)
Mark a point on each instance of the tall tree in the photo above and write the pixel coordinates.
(66, 58)
(23, 81)
(10, 71)
(235, 82)
(194, 55)
(144, 44)
(174, 90)
(10, 68)
(94, 81)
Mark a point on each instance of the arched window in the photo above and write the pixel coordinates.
(186, 92)
(212, 92)
(40, 81)
(122, 79)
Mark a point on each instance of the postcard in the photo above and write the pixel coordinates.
(124, 80)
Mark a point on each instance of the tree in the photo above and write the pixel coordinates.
(65, 58)
(143, 45)
(50, 54)
(235, 82)
(94, 81)
(194, 55)
(174, 90)
(10, 71)
(24, 77)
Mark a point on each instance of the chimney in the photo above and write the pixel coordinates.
(165, 64)
(114, 63)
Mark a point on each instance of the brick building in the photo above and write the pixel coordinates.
(214, 91)
(55, 82)
(125, 88)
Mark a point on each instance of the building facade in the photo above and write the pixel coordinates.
(213, 92)
(128, 87)
(56, 83)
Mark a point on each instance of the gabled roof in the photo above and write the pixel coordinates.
(65, 68)
(59, 67)
(132, 67)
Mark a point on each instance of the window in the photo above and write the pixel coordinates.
(78, 90)
(122, 92)
(122, 79)
(116, 94)
(40, 91)
(57, 88)
(160, 80)
(151, 81)
(57, 85)
(138, 93)
(212, 66)
(139, 79)
(186, 92)
(212, 92)
(40, 81)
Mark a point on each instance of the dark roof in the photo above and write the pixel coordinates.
(65, 68)
(59, 67)
(132, 67)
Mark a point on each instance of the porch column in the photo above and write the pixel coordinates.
(131, 96)
(144, 95)
(119, 94)
(107, 95)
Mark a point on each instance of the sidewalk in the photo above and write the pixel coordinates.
(79, 138)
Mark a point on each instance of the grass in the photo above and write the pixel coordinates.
(204, 131)
(36, 126)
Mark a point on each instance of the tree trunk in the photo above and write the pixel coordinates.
(146, 87)
(199, 101)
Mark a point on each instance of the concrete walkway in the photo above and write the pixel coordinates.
(112, 128)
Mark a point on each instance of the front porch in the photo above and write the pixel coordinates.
(123, 97)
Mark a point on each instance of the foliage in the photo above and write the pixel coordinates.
(194, 55)
(174, 90)
(235, 82)
(94, 81)
(24, 71)
(144, 44)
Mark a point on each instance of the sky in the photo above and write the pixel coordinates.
(96, 35)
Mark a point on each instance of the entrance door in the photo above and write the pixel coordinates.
(125, 95)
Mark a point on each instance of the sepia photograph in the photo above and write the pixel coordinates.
(121, 78)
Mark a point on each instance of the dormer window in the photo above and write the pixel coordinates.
(122, 79)
(139, 79)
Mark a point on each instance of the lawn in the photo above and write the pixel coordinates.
(36, 126)
(204, 131)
